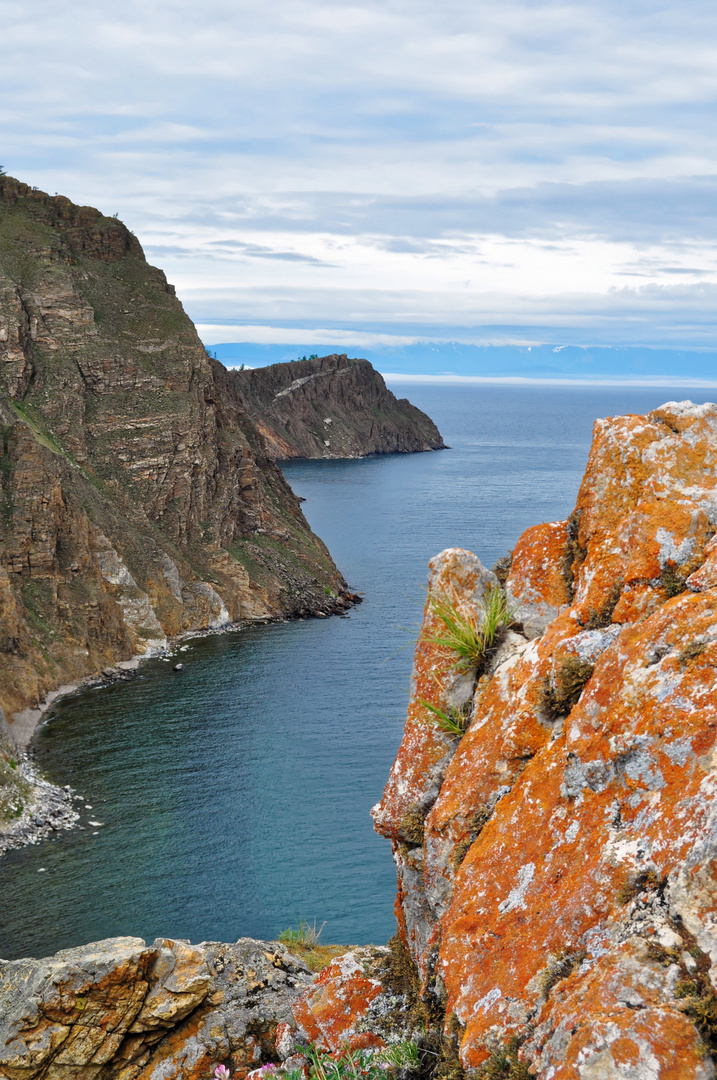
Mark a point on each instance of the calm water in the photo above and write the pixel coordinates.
(235, 796)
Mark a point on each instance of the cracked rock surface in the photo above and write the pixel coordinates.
(122, 1010)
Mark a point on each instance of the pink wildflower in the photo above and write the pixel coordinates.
(222, 1073)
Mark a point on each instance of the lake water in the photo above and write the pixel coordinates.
(235, 797)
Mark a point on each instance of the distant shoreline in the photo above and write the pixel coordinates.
(522, 380)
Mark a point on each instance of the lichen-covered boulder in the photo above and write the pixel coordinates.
(336, 1012)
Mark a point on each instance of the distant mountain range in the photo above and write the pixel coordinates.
(498, 361)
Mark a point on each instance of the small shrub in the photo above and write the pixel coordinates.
(671, 581)
(412, 825)
(647, 879)
(691, 652)
(560, 694)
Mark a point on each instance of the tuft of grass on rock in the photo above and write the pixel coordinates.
(598, 620)
(412, 825)
(672, 582)
(560, 693)
(560, 966)
(470, 634)
(691, 651)
(454, 721)
(303, 942)
(503, 1064)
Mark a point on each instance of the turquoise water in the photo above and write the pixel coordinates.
(235, 796)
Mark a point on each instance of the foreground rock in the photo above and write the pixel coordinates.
(122, 1010)
(138, 501)
(332, 407)
(557, 865)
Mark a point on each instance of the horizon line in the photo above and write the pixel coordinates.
(524, 380)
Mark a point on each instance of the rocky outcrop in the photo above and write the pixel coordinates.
(331, 407)
(556, 864)
(122, 1010)
(138, 501)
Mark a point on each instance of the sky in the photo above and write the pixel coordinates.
(382, 173)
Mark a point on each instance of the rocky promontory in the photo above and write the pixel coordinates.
(332, 407)
(138, 500)
(552, 812)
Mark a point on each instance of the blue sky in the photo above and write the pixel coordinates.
(385, 172)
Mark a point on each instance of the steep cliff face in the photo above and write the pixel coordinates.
(560, 887)
(332, 407)
(138, 499)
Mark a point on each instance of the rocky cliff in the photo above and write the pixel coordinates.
(138, 500)
(332, 407)
(552, 809)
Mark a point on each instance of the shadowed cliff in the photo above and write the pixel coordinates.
(138, 500)
(332, 407)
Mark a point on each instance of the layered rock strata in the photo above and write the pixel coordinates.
(332, 407)
(123, 1010)
(138, 500)
(557, 864)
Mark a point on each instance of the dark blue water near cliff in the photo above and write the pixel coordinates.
(235, 796)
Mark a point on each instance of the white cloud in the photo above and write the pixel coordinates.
(388, 167)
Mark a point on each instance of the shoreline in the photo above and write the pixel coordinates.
(50, 808)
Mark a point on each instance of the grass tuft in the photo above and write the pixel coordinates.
(412, 825)
(561, 693)
(598, 620)
(574, 555)
(304, 934)
(454, 722)
(672, 582)
(503, 1064)
(560, 966)
(475, 825)
(471, 634)
(691, 652)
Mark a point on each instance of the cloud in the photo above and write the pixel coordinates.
(388, 165)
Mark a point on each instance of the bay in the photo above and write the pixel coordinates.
(235, 797)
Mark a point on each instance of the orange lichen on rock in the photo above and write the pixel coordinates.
(457, 576)
(564, 885)
(332, 1014)
(537, 583)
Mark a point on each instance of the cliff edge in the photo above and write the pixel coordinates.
(332, 407)
(138, 501)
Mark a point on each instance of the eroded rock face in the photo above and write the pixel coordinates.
(122, 1010)
(563, 890)
(138, 500)
(332, 407)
